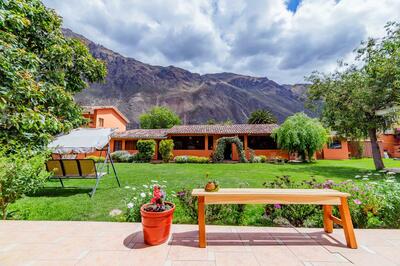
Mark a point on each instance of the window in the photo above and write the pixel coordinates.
(335, 144)
(101, 122)
(261, 143)
(189, 143)
(117, 145)
(130, 145)
(210, 142)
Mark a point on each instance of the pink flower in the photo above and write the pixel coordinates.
(277, 206)
(357, 201)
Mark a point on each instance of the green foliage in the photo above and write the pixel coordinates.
(159, 117)
(191, 159)
(122, 157)
(353, 94)
(96, 159)
(146, 150)
(40, 71)
(261, 116)
(215, 214)
(20, 174)
(302, 134)
(218, 155)
(166, 147)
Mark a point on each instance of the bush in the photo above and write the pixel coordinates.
(191, 159)
(166, 147)
(96, 159)
(146, 150)
(263, 158)
(122, 157)
(215, 214)
(20, 175)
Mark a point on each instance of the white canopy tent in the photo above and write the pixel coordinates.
(83, 140)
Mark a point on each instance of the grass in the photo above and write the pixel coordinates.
(73, 203)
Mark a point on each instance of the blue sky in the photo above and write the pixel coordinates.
(283, 40)
(293, 4)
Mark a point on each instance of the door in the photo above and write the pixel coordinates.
(228, 152)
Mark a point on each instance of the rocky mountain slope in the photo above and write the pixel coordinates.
(134, 87)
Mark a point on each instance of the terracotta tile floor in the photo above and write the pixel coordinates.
(98, 243)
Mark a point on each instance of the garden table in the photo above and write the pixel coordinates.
(325, 197)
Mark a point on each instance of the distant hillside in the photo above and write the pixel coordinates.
(134, 87)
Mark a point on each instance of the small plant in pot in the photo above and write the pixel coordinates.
(157, 218)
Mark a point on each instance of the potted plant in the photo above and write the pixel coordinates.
(157, 218)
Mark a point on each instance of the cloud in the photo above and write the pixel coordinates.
(260, 38)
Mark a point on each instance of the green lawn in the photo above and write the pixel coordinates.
(73, 202)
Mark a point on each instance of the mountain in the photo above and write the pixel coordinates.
(134, 87)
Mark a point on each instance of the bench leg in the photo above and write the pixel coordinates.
(347, 223)
(328, 223)
(62, 184)
(202, 222)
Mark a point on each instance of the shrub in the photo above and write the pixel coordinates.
(97, 159)
(146, 150)
(263, 158)
(166, 147)
(191, 159)
(122, 157)
(218, 155)
(216, 214)
(20, 175)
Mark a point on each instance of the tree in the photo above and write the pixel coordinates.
(302, 135)
(159, 117)
(146, 150)
(166, 147)
(19, 174)
(40, 71)
(261, 116)
(354, 94)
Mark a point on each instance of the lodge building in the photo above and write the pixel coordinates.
(200, 140)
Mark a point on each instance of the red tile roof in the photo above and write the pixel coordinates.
(142, 134)
(223, 129)
(90, 110)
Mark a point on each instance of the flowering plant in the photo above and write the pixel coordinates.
(157, 202)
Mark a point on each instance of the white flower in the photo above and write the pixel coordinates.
(390, 181)
(377, 174)
(382, 171)
(149, 193)
(127, 187)
(163, 186)
(165, 181)
(391, 173)
(143, 195)
(369, 174)
(130, 205)
(373, 183)
(145, 186)
(349, 180)
(133, 188)
(134, 198)
(357, 176)
(154, 181)
(365, 178)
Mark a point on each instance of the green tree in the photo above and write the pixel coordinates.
(166, 147)
(159, 117)
(146, 150)
(302, 135)
(261, 116)
(19, 175)
(355, 95)
(40, 71)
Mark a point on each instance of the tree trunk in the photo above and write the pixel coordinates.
(376, 152)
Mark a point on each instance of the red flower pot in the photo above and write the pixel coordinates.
(156, 225)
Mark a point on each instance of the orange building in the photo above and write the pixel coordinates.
(200, 140)
(391, 143)
(336, 149)
(105, 116)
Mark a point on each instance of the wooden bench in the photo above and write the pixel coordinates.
(325, 197)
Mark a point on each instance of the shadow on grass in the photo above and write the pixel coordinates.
(61, 192)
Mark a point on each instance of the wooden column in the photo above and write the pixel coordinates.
(328, 223)
(202, 222)
(347, 223)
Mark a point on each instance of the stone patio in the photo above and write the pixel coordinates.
(100, 243)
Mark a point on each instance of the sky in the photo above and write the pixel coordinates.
(284, 40)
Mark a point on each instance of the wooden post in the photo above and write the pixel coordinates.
(328, 223)
(347, 223)
(202, 222)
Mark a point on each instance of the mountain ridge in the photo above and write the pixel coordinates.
(134, 87)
